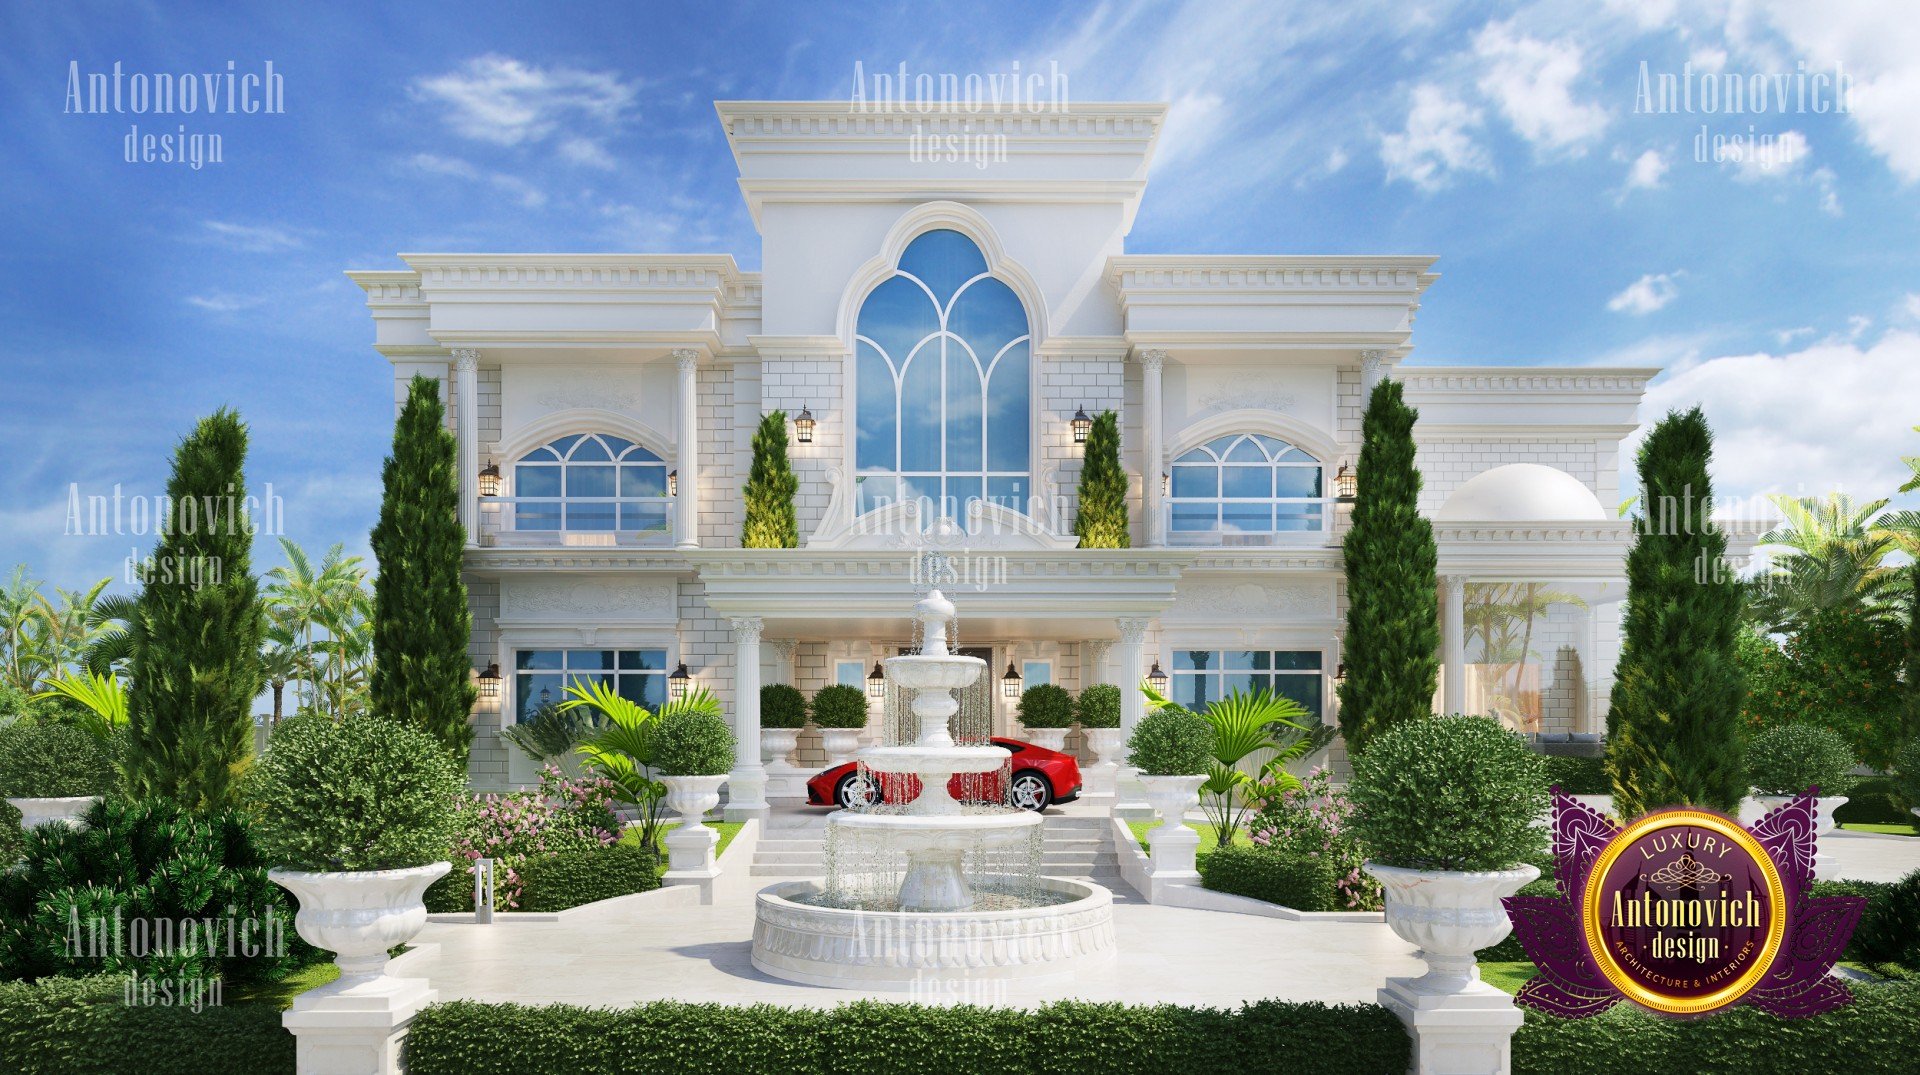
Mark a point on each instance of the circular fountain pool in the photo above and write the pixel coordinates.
(1068, 927)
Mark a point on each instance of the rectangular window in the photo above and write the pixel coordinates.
(1202, 677)
(1034, 673)
(541, 676)
(850, 674)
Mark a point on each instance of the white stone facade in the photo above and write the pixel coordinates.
(681, 354)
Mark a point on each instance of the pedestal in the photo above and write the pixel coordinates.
(357, 1030)
(746, 796)
(690, 853)
(1129, 795)
(1460, 1033)
(1174, 851)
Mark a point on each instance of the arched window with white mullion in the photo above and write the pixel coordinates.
(1245, 488)
(943, 356)
(590, 482)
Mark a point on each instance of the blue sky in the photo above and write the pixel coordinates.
(1572, 229)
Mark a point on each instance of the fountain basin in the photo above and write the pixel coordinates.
(934, 672)
(909, 950)
(965, 832)
(944, 761)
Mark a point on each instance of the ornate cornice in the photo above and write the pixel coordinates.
(1431, 379)
(778, 121)
(1175, 272)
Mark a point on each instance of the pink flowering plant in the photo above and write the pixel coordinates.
(1315, 820)
(517, 827)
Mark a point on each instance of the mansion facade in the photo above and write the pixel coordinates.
(933, 331)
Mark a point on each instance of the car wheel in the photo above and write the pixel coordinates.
(855, 792)
(1029, 791)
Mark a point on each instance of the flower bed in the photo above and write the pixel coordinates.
(563, 816)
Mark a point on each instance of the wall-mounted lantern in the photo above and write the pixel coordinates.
(803, 426)
(489, 681)
(1082, 425)
(1157, 679)
(673, 483)
(678, 682)
(1340, 673)
(490, 479)
(1346, 487)
(1010, 683)
(876, 683)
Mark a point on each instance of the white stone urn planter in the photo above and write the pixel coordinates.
(1100, 775)
(66, 811)
(690, 845)
(1459, 1022)
(777, 745)
(356, 1022)
(840, 743)
(1047, 738)
(1450, 915)
(1173, 843)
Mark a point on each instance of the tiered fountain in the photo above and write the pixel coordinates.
(934, 889)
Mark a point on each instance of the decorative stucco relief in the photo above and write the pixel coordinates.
(563, 599)
(1201, 599)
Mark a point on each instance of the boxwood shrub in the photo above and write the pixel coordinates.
(1098, 706)
(782, 706)
(1302, 882)
(1046, 705)
(874, 1038)
(1171, 741)
(1449, 793)
(689, 742)
(1790, 758)
(1872, 1036)
(558, 882)
(52, 759)
(1578, 776)
(83, 1026)
(1875, 800)
(840, 706)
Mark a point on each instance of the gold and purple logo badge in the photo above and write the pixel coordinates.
(1684, 912)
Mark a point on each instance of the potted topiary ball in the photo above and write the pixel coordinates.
(840, 712)
(1098, 712)
(1785, 761)
(1171, 747)
(52, 771)
(1446, 809)
(1046, 712)
(693, 751)
(359, 814)
(783, 712)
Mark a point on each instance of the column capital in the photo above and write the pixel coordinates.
(1133, 632)
(1152, 358)
(686, 358)
(785, 647)
(746, 628)
(1455, 584)
(466, 359)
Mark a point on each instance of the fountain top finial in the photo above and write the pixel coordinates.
(935, 612)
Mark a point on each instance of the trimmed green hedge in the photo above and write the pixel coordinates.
(558, 882)
(1578, 776)
(1875, 800)
(1302, 882)
(873, 1038)
(82, 1026)
(1873, 1035)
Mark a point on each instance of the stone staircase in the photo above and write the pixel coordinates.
(1075, 847)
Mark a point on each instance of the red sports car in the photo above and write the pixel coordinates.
(1040, 778)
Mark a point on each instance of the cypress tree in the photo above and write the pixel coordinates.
(422, 674)
(1393, 618)
(1673, 736)
(770, 521)
(1101, 520)
(195, 666)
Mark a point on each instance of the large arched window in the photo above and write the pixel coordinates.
(1244, 488)
(590, 482)
(943, 407)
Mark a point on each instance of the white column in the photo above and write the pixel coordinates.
(1155, 463)
(466, 396)
(1374, 368)
(1129, 795)
(1453, 630)
(747, 784)
(686, 523)
(784, 650)
(1093, 661)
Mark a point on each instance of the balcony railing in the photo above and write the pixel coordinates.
(1229, 523)
(592, 521)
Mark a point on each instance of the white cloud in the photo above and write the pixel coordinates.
(1438, 141)
(1827, 183)
(1647, 294)
(1877, 44)
(506, 102)
(1649, 171)
(528, 195)
(1532, 83)
(1911, 305)
(1708, 59)
(1786, 336)
(224, 302)
(1823, 418)
(251, 238)
(1764, 156)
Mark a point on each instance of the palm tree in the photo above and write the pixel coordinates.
(283, 662)
(1501, 617)
(21, 631)
(326, 607)
(1834, 556)
(623, 751)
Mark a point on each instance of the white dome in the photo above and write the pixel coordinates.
(1522, 493)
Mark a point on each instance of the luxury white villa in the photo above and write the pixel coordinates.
(932, 330)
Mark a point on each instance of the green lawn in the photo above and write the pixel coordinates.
(280, 994)
(1208, 841)
(1868, 826)
(1508, 977)
(727, 830)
